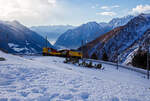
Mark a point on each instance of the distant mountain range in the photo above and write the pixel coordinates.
(124, 40)
(16, 38)
(72, 38)
(87, 32)
(52, 31)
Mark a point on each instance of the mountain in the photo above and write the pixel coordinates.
(122, 40)
(139, 46)
(16, 38)
(52, 31)
(87, 32)
(116, 22)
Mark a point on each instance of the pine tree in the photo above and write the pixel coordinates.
(105, 57)
(140, 59)
(94, 56)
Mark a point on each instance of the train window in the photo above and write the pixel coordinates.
(49, 50)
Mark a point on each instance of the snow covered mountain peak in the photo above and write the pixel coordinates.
(10, 22)
(15, 22)
(104, 24)
(116, 22)
(89, 25)
(146, 16)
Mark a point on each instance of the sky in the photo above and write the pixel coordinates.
(69, 12)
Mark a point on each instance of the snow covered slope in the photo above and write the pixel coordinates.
(141, 44)
(39, 78)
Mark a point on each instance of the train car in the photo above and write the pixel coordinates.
(45, 51)
(62, 53)
(75, 54)
(50, 52)
(71, 53)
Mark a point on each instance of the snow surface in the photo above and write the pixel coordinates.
(130, 56)
(12, 45)
(38, 78)
(16, 47)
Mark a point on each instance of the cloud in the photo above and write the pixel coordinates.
(141, 9)
(105, 7)
(27, 11)
(109, 7)
(107, 13)
(52, 2)
(115, 6)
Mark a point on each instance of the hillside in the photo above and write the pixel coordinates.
(142, 44)
(121, 39)
(49, 79)
(86, 32)
(16, 38)
(89, 32)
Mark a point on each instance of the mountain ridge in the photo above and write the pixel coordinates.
(86, 32)
(16, 38)
(123, 38)
(102, 28)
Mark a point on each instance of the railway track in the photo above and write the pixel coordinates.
(120, 66)
(106, 62)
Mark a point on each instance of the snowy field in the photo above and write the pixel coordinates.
(32, 78)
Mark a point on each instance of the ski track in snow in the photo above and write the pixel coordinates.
(49, 79)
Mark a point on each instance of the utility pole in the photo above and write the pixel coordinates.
(117, 60)
(82, 50)
(46, 41)
(85, 49)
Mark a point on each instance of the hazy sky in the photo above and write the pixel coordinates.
(74, 12)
